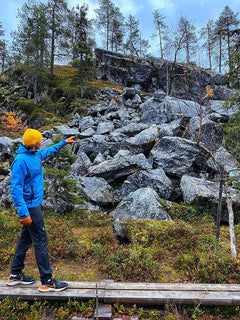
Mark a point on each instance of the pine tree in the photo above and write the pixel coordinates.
(117, 30)
(207, 33)
(31, 39)
(57, 16)
(83, 56)
(104, 18)
(160, 27)
(234, 72)
(226, 23)
(3, 49)
(189, 39)
(1, 30)
(218, 40)
(133, 36)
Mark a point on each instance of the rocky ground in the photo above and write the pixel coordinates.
(135, 150)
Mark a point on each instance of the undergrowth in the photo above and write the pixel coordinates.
(82, 247)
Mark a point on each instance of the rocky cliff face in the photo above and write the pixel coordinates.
(182, 81)
(133, 150)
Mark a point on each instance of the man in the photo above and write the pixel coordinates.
(27, 192)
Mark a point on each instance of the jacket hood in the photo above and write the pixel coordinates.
(22, 149)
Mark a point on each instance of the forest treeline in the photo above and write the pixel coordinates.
(52, 31)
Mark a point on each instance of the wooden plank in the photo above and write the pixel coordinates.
(162, 297)
(173, 286)
(144, 286)
(71, 284)
(28, 293)
(139, 293)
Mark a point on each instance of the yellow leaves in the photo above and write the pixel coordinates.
(209, 92)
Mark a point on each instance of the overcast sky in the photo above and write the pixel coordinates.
(198, 11)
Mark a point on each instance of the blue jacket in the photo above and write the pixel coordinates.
(27, 183)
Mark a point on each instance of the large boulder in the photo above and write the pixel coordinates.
(120, 167)
(81, 165)
(178, 156)
(5, 196)
(143, 141)
(94, 144)
(155, 179)
(5, 148)
(204, 194)
(98, 191)
(227, 160)
(168, 110)
(218, 107)
(211, 132)
(141, 204)
(132, 128)
(98, 109)
(104, 127)
(65, 130)
(86, 123)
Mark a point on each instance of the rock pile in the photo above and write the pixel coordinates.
(133, 152)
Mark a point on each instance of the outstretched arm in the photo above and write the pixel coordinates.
(47, 152)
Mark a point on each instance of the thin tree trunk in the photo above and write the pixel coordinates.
(52, 53)
(231, 221)
(209, 48)
(52, 43)
(200, 123)
(160, 40)
(219, 210)
(35, 85)
(220, 54)
(4, 56)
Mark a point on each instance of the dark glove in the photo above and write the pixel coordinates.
(26, 221)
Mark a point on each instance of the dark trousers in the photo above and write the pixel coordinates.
(36, 234)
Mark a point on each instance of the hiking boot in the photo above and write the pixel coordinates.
(53, 285)
(20, 278)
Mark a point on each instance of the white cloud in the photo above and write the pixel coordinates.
(168, 5)
(128, 6)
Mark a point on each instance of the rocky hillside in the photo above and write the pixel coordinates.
(181, 80)
(136, 152)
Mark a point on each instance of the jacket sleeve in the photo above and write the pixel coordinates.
(47, 152)
(19, 172)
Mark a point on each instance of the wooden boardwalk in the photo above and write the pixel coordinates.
(138, 293)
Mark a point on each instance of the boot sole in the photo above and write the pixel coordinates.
(49, 289)
(14, 283)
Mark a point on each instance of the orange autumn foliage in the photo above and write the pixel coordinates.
(11, 123)
(209, 92)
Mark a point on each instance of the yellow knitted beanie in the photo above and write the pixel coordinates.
(32, 136)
